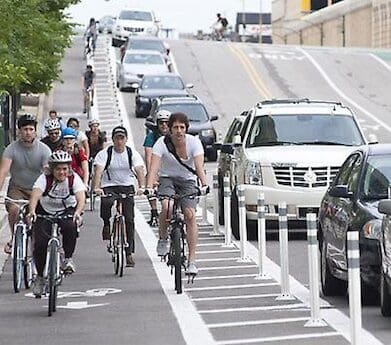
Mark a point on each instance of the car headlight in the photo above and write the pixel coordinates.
(143, 99)
(253, 173)
(372, 229)
(207, 133)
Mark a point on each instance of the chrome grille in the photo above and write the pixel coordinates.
(305, 177)
(127, 28)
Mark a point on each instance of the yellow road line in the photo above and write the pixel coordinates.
(251, 71)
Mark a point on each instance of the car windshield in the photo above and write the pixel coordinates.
(136, 15)
(303, 130)
(147, 45)
(195, 112)
(377, 177)
(148, 59)
(162, 82)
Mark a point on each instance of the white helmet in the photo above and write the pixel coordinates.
(93, 122)
(52, 124)
(59, 157)
(163, 115)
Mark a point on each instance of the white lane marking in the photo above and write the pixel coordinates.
(257, 322)
(245, 309)
(80, 305)
(227, 277)
(217, 251)
(278, 339)
(385, 64)
(225, 267)
(223, 298)
(228, 287)
(218, 259)
(209, 244)
(341, 93)
(194, 329)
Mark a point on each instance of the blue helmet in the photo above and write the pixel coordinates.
(68, 133)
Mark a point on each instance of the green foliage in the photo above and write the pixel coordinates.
(34, 37)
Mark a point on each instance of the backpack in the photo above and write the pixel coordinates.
(224, 22)
(49, 184)
(110, 153)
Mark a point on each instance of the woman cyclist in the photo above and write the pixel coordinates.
(81, 138)
(60, 192)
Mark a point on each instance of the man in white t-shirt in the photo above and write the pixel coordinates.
(178, 178)
(114, 174)
(60, 193)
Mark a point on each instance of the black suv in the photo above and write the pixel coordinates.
(200, 120)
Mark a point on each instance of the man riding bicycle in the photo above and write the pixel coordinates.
(178, 158)
(88, 85)
(25, 159)
(53, 139)
(114, 175)
(61, 192)
(150, 140)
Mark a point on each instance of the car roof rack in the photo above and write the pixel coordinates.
(188, 96)
(294, 101)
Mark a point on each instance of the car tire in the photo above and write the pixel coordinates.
(212, 155)
(385, 296)
(331, 286)
(235, 214)
(114, 42)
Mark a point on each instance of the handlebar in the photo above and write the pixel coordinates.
(117, 196)
(54, 218)
(21, 202)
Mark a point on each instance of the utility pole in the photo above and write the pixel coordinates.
(260, 21)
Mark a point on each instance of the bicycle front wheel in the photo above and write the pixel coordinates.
(18, 262)
(177, 259)
(28, 263)
(52, 277)
(120, 247)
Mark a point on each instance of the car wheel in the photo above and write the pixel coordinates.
(385, 296)
(220, 180)
(235, 214)
(113, 42)
(212, 155)
(331, 286)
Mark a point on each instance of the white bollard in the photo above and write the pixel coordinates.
(261, 236)
(227, 213)
(354, 287)
(313, 264)
(215, 230)
(242, 225)
(284, 259)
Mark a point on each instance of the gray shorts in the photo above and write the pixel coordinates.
(171, 186)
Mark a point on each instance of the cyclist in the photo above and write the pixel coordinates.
(96, 138)
(88, 84)
(150, 139)
(61, 192)
(91, 34)
(114, 175)
(52, 116)
(53, 139)
(79, 158)
(220, 26)
(179, 159)
(24, 159)
(81, 137)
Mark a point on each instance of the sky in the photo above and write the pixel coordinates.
(181, 15)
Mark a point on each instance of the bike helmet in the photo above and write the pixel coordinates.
(93, 122)
(52, 124)
(163, 115)
(69, 133)
(60, 157)
(27, 119)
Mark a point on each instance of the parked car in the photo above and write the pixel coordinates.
(134, 22)
(199, 118)
(290, 150)
(136, 64)
(105, 24)
(157, 85)
(351, 204)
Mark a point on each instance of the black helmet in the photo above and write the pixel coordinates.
(27, 119)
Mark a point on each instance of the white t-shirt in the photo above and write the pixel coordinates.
(81, 136)
(59, 197)
(170, 167)
(120, 174)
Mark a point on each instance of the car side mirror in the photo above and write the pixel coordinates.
(372, 139)
(227, 148)
(340, 192)
(214, 118)
(384, 206)
(237, 140)
(189, 86)
(135, 85)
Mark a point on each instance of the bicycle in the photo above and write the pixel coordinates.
(176, 257)
(22, 264)
(88, 101)
(118, 237)
(91, 194)
(53, 274)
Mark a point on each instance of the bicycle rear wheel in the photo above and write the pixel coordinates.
(177, 259)
(18, 262)
(52, 277)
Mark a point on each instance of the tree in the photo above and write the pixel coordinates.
(35, 35)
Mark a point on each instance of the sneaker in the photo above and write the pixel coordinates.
(154, 222)
(163, 247)
(8, 248)
(92, 103)
(68, 266)
(106, 233)
(191, 268)
(130, 260)
(38, 286)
